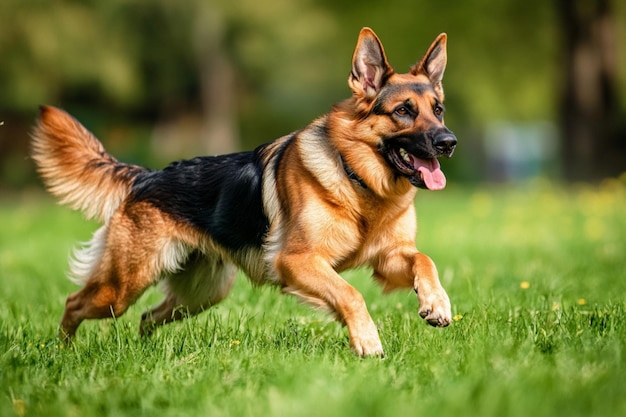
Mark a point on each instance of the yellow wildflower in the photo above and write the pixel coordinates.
(19, 406)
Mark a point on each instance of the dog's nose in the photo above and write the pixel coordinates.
(445, 143)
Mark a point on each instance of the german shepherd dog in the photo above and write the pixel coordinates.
(294, 212)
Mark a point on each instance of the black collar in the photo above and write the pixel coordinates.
(353, 175)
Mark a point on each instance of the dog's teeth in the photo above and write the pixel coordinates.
(405, 155)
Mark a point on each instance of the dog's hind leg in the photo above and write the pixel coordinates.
(117, 280)
(203, 281)
(123, 259)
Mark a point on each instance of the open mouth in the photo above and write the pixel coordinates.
(421, 172)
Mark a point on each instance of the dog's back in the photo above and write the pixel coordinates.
(219, 195)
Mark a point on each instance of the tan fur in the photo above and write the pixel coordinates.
(76, 168)
(320, 221)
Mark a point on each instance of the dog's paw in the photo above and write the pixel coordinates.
(435, 308)
(65, 336)
(366, 341)
(367, 346)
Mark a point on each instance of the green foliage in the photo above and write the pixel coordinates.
(137, 65)
(536, 278)
(137, 55)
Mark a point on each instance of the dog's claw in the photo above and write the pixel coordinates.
(435, 308)
(437, 322)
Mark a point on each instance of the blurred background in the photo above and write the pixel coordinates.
(533, 88)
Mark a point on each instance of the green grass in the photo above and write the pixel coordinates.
(536, 275)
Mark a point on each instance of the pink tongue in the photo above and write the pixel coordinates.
(431, 173)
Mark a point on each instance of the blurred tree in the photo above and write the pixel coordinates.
(219, 132)
(214, 73)
(592, 144)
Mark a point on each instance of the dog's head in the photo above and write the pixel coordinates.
(403, 112)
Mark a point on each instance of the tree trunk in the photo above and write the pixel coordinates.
(217, 75)
(591, 145)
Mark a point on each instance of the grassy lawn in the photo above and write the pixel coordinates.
(536, 275)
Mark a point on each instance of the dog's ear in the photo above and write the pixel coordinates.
(433, 64)
(370, 69)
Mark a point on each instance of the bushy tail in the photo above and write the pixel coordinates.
(76, 168)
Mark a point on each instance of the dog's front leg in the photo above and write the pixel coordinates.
(313, 280)
(434, 301)
(409, 268)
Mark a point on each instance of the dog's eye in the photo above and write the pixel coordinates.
(438, 110)
(402, 111)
